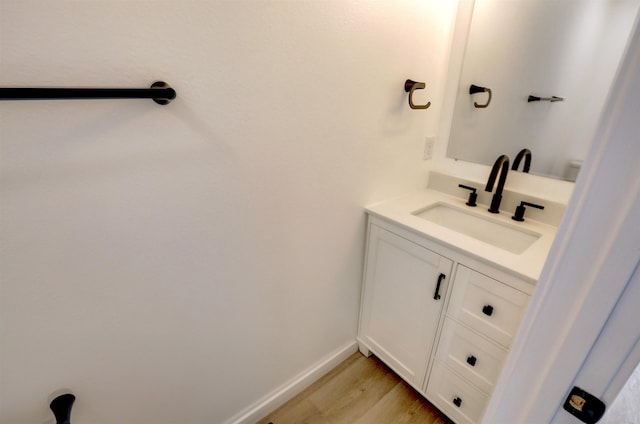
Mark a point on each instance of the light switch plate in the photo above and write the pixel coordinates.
(428, 147)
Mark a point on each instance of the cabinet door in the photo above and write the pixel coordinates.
(401, 310)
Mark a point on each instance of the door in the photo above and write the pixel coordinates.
(614, 356)
(405, 288)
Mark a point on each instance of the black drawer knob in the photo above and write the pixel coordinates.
(471, 360)
(457, 402)
(487, 310)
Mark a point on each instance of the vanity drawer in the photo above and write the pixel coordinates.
(487, 305)
(454, 396)
(470, 355)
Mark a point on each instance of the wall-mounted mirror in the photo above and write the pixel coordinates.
(517, 48)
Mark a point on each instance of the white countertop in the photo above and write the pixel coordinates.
(527, 264)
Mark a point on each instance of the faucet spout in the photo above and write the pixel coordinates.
(500, 165)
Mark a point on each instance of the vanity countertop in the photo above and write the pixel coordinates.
(527, 264)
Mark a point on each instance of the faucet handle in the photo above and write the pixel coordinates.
(519, 213)
(473, 196)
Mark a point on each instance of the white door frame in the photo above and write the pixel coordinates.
(596, 250)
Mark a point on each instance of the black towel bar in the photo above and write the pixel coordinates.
(159, 91)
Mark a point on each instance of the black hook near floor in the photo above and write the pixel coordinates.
(61, 407)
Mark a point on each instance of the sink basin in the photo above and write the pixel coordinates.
(498, 234)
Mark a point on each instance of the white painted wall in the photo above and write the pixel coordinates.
(175, 264)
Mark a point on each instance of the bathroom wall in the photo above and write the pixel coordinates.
(175, 264)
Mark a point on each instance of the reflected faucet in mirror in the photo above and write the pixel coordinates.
(500, 165)
(526, 154)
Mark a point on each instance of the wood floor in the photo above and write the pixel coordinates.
(358, 391)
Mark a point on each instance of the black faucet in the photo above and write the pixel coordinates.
(502, 161)
(526, 154)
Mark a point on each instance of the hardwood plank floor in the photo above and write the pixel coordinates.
(358, 391)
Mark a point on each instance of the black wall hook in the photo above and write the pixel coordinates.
(61, 407)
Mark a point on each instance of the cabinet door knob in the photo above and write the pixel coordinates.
(487, 310)
(471, 360)
(457, 402)
(436, 295)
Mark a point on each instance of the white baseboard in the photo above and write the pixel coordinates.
(278, 397)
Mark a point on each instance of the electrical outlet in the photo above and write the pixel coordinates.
(428, 147)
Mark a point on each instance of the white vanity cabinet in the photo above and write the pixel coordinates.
(481, 321)
(405, 290)
(448, 342)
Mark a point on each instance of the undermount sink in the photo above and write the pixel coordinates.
(498, 234)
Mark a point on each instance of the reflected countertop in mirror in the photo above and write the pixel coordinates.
(517, 48)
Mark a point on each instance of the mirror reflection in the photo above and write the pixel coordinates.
(535, 76)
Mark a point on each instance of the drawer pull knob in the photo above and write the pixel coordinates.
(487, 310)
(471, 360)
(436, 295)
(457, 402)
